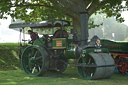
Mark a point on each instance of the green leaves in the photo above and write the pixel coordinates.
(4, 8)
(113, 8)
(47, 9)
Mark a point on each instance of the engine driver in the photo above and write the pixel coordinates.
(33, 36)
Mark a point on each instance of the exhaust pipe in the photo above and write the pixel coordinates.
(84, 31)
(84, 27)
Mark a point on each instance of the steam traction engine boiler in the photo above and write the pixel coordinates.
(51, 53)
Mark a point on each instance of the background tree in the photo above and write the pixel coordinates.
(60, 9)
(110, 27)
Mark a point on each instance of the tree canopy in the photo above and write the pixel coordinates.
(37, 10)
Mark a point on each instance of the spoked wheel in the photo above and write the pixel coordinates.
(123, 66)
(86, 72)
(35, 60)
(97, 66)
(61, 65)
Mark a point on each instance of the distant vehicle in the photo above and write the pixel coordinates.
(119, 51)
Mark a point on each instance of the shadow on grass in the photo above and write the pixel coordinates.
(71, 72)
(69, 77)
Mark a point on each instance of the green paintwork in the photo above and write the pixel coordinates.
(115, 46)
(70, 52)
(39, 41)
(93, 50)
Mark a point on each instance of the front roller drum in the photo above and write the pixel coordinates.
(35, 60)
(100, 66)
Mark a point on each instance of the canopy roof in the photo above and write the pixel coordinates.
(41, 24)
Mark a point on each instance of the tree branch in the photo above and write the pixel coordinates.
(65, 10)
(79, 5)
(28, 5)
(67, 5)
(93, 7)
(86, 2)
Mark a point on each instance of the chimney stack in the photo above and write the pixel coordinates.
(84, 27)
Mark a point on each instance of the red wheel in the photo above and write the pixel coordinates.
(123, 66)
(116, 59)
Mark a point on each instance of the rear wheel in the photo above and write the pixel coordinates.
(35, 60)
(123, 66)
(61, 65)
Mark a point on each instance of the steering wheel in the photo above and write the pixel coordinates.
(60, 34)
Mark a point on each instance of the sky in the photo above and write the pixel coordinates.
(125, 16)
(6, 34)
(10, 35)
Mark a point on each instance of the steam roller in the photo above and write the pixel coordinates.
(51, 53)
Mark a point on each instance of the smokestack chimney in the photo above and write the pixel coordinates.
(84, 27)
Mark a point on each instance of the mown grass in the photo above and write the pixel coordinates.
(9, 76)
(69, 77)
(9, 56)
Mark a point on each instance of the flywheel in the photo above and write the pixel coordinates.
(35, 60)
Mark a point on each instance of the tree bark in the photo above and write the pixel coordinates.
(77, 27)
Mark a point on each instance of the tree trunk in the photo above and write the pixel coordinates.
(77, 27)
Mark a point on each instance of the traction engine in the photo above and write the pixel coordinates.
(119, 52)
(51, 53)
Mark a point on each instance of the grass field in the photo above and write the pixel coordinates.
(8, 56)
(69, 77)
(10, 73)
